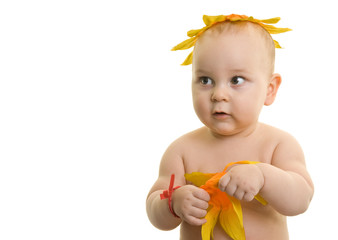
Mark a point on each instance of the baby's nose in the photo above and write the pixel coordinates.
(220, 93)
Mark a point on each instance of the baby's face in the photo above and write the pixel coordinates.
(230, 80)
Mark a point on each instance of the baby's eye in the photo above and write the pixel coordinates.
(206, 81)
(237, 80)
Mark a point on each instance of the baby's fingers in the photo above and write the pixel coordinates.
(248, 197)
(195, 221)
(201, 204)
(201, 194)
(194, 216)
(223, 182)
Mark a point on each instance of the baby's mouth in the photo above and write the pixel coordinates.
(220, 114)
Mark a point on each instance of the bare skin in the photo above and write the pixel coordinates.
(260, 222)
(229, 89)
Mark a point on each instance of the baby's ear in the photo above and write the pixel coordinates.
(273, 86)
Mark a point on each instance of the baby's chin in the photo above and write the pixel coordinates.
(220, 133)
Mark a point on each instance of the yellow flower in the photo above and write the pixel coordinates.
(212, 20)
(222, 207)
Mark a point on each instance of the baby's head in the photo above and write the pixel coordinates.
(232, 77)
(249, 38)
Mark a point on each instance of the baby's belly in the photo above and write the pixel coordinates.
(260, 223)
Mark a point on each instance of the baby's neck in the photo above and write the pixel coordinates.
(245, 133)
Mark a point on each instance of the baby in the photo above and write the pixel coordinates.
(232, 78)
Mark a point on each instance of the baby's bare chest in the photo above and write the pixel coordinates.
(211, 158)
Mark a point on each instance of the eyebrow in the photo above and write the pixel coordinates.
(239, 70)
(202, 72)
(233, 71)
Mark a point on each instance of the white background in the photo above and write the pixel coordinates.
(91, 96)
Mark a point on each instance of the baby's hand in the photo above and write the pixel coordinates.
(242, 182)
(190, 203)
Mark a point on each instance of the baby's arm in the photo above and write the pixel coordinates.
(188, 202)
(287, 185)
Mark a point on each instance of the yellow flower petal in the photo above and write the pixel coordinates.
(275, 30)
(231, 220)
(188, 60)
(208, 227)
(236, 17)
(236, 204)
(277, 44)
(271, 20)
(260, 199)
(194, 32)
(222, 207)
(209, 20)
(231, 224)
(239, 162)
(198, 178)
(185, 44)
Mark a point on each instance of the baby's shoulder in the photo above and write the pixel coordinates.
(188, 141)
(180, 148)
(273, 133)
(190, 138)
(282, 141)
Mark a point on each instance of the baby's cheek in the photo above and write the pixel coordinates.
(247, 111)
(201, 107)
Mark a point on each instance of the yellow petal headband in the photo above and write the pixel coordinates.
(212, 20)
